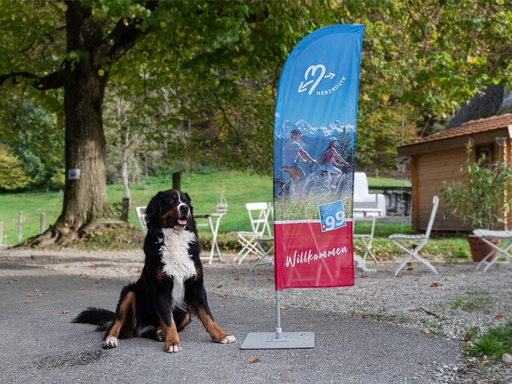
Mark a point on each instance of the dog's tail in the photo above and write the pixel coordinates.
(96, 316)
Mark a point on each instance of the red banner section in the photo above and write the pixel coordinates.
(311, 258)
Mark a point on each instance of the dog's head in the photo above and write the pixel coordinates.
(170, 209)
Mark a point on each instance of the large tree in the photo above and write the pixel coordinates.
(73, 47)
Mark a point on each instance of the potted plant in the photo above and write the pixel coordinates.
(484, 201)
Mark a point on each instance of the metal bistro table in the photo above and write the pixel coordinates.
(366, 238)
(213, 224)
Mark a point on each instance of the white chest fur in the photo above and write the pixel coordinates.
(177, 262)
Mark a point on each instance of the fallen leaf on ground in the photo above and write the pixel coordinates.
(427, 331)
(434, 284)
(500, 316)
(254, 360)
(65, 312)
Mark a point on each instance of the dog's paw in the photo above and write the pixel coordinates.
(160, 335)
(173, 348)
(228, 339)
(110, 342)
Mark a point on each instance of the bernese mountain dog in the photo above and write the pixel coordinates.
(159, 304)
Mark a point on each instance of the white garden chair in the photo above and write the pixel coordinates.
(417, 241)
(141, 218)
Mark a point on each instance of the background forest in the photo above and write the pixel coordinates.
(180, 85)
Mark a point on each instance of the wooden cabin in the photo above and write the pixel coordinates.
(438, 157)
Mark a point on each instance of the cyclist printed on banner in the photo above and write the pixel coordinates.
(292, 152)
(330, 156)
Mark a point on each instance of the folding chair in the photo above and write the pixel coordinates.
(141, 218)
(366, 238)
(502, 248)
(418, 241)
(258, 217)
(261, 217)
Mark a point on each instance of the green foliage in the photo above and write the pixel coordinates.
(494, 343)
(484, 201)
(212, 66)
(37, 140)
(12, 175)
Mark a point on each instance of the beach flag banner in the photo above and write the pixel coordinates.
(317, 97)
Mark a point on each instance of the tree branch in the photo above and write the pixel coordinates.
(123, 37)
(52, 81)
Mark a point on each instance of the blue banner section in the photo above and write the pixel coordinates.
(314, 153)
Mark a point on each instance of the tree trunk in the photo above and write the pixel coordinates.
(85, 206)
(123, 152)
(85, 199)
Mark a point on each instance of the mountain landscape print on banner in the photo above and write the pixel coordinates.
(315, 139)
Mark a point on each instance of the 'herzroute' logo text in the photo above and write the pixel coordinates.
(314, 75)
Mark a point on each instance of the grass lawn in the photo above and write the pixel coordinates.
(205, 189)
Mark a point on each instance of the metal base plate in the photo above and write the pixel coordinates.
(287, 340)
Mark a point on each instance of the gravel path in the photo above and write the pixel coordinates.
(449, 304)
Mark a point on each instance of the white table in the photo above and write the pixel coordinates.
(213, 224)
(366, 238)
(502, 248)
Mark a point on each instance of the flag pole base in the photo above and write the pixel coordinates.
(284, 340)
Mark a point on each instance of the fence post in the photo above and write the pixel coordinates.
(41, 222)
(125, 209)
(176, 180)
(20, 226)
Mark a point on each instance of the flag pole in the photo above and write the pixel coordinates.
(279, 330)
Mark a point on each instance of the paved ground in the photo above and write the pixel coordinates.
(40, 345)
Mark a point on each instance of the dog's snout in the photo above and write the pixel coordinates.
(184, 210)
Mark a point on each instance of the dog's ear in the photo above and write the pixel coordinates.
(154, 208)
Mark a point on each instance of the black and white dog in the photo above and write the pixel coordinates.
(170, 287)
